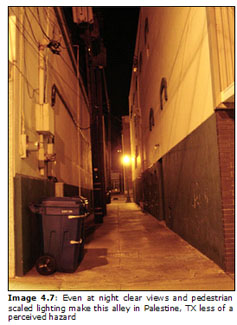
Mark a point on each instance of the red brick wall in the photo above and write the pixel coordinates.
(225, 136)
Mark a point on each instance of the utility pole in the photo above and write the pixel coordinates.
(95, 55)
(109, 130)
(96, 62)
(97, 139)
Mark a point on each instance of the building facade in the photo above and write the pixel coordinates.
(49, 125)
(181, 106)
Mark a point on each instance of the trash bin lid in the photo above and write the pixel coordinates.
(62, 201)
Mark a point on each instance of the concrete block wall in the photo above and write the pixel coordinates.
(225, 135)
(192, 191)
(183, 188)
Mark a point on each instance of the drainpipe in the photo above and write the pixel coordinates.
(41, 71)
(41, 156)
(78, 119)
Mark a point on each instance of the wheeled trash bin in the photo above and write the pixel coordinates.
(63, 233)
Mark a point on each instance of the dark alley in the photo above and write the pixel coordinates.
(120, 163)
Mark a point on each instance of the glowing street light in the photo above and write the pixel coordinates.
(126, 160)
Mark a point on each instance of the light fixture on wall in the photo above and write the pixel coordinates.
(135, 64)
(126, 160)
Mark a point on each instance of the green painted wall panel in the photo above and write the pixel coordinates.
(28, 230)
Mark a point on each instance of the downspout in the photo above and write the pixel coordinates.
(21, 97)
(78, 120)
(109, 130)
(12, 145)
(41, 80)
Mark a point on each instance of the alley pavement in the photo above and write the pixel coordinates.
(132, 250)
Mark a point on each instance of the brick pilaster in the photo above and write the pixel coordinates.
(225, 138)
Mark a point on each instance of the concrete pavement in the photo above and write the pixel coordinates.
(132, 250)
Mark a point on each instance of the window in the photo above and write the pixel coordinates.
(163, 89)
(151, 119)
(146, 30)
(140, 62)
(136, 155)
(135, 125)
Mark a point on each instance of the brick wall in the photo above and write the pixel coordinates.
(225, 136)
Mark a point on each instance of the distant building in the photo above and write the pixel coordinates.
(117, 168)
(181, 105)
(116, 182)
(49, 125)
(126, 151)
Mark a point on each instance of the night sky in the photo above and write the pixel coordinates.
(118, 30)
(119, 33)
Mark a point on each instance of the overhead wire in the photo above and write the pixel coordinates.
(39, 22)
(41, 27)
(36, 52)
(25, 77)
(32, 41)
(25, 65)
(25, 31)
(54, 25)
(66, 47)
(32, 32)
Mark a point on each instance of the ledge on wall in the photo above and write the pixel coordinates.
(227, 97)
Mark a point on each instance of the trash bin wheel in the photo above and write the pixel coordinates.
(46, 265)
